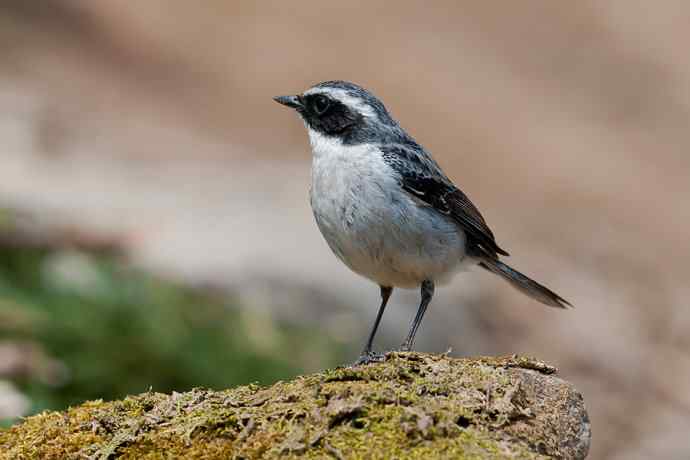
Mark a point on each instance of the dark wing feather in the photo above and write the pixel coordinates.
(422, 177)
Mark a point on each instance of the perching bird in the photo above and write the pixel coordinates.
(385, 207)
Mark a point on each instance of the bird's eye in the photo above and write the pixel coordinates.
(321, 104)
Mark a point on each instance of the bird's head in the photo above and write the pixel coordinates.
(344, 111)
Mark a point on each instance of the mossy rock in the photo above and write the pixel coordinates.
(411, 405)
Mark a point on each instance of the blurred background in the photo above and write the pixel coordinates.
(155, 229)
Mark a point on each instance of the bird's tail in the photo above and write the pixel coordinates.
(524, 283)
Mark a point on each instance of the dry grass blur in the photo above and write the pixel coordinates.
(567, 123)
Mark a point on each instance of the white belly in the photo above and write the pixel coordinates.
(373, 226)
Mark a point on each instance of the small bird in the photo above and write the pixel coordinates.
(385, 207)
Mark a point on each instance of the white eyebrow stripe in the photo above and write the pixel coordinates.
(344, 97)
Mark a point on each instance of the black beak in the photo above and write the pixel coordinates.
(289, 101)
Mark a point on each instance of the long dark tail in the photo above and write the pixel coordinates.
(525, 284)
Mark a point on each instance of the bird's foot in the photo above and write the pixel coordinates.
(368, 357)
(405, 347)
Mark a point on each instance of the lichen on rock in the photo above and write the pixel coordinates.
(412, 405)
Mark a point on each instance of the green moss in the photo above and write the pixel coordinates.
(101, 328)
(411, 406)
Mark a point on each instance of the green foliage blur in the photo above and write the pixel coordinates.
(106, 330)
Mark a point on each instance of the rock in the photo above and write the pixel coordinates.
(412, 405)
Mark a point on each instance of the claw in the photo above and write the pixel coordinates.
(370, 357)
(405, 347)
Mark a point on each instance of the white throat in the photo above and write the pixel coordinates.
(323, 145)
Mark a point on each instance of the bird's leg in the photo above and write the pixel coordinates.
(368, 355)
(427, 294)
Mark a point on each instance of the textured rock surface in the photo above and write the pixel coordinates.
(410, 406)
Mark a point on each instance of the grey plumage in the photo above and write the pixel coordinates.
(524, 283)
(421, 176)
(386, 208)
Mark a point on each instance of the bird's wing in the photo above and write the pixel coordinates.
(422, 177)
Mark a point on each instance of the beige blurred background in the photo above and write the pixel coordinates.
(568, 123)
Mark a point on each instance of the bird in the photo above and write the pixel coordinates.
(386, 208)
